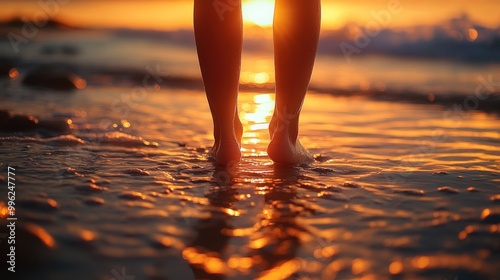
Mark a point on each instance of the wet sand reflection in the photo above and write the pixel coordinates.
(274, 239)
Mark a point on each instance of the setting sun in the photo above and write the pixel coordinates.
(259, 12)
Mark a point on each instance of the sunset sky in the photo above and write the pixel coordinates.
(176, 14)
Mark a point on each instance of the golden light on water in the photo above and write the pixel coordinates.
(214, 265)
(13, 73)
(421, 262)
(166, 241)
(486, 212)
(359, 266)
(493, 228)
(256, 77)
(326, 252)
(41, 234)
(473, 34)
(261, 78)
(462, 235)
(283, 271)
(256, 117)
(80, 83)
(259, 12)
(240, 263)
(125, 123)
(259, 243)
(87, 235)
(3, 210)
(209, 263)
(231, 212)
(396, 267)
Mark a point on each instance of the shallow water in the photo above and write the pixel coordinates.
(397, 191)
(103, 51)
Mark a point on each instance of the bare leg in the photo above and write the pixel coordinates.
(219, 45)
(296, 34)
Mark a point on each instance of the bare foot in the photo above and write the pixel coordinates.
(284, 147)
(228, 150)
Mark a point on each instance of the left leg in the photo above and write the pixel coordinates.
(219, 46)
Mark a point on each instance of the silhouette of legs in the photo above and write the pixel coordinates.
(296, 34)
(219, 45)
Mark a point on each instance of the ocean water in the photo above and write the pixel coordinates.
(97, 52)
(399, 189)
(396, 191)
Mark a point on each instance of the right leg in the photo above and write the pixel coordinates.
(296, 34)
(219, 44)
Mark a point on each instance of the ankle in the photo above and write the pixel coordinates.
(238, 128)
(289, 128)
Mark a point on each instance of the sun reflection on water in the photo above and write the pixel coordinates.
(255, 116)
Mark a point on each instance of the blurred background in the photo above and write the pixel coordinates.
(176, 14)
(378, 47)
(104, 118)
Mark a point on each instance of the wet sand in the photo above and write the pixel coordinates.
(397, 191)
